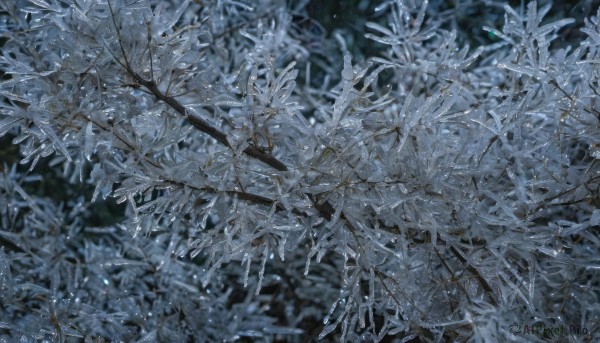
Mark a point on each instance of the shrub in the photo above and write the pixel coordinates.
(286, 180)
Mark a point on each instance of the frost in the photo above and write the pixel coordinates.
(277, 180)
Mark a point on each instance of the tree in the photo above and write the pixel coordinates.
(278, 187)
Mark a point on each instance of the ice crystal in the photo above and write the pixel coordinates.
(282, 178)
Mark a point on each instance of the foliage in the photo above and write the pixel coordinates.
(282, 184)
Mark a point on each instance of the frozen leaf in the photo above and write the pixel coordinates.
(595, 219)
(88, 141)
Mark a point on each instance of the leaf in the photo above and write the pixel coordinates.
(54, 7)
(175, 17)
(327, 330)
(88, 145)
(49, 132)
(7, 124)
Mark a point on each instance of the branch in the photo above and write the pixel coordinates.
(205, 126)
(197, 122)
